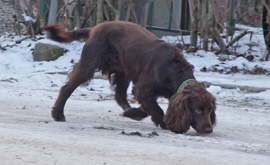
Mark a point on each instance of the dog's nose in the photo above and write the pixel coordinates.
(208, 129)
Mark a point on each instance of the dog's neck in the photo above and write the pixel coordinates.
(182, 86)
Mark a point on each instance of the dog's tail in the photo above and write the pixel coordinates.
(57, 33)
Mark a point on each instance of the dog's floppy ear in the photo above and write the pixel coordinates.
(178, 116)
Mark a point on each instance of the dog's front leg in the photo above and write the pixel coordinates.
(155, 111)
(149, 104)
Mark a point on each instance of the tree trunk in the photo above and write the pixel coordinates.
(122, 4)
(93, 15)
(38, 18)
(213, 27)
(204, 6)
(210, 26)
(133, 12)
(128, 13)
(114, 10)
(267, 37)
(194, 9)
(77, 13)
(145, 13)
(53, 11)
(229, 32)
(142, 11)
(88, 8)
(100, 17)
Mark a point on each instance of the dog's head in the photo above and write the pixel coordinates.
(194, 106)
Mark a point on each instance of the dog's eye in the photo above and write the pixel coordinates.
(198, 111)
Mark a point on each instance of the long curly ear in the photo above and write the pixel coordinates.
(213, 114)
(178, 116)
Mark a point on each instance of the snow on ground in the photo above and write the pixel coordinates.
(95, 131)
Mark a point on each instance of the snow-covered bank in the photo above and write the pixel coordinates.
(17, 66)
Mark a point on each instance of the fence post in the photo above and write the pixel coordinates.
(43, 9)
(232, 20)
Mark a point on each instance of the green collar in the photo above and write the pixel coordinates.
(182, 86)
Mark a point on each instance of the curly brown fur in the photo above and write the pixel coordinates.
(178, 117)
(126, 52)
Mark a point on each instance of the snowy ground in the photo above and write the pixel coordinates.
(95, 131)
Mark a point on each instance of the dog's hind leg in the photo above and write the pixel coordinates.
(82, 72)
(76, 77)
(135, 113)
(122, 83)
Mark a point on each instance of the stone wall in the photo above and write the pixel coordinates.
(6, 13)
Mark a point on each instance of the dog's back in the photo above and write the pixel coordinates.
(114, 30)
(116, 46)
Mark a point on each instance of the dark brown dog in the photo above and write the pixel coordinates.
(127, 52)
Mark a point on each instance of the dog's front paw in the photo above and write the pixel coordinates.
(58, 117)
(163, 125)
(159, 122)
(135, 114)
